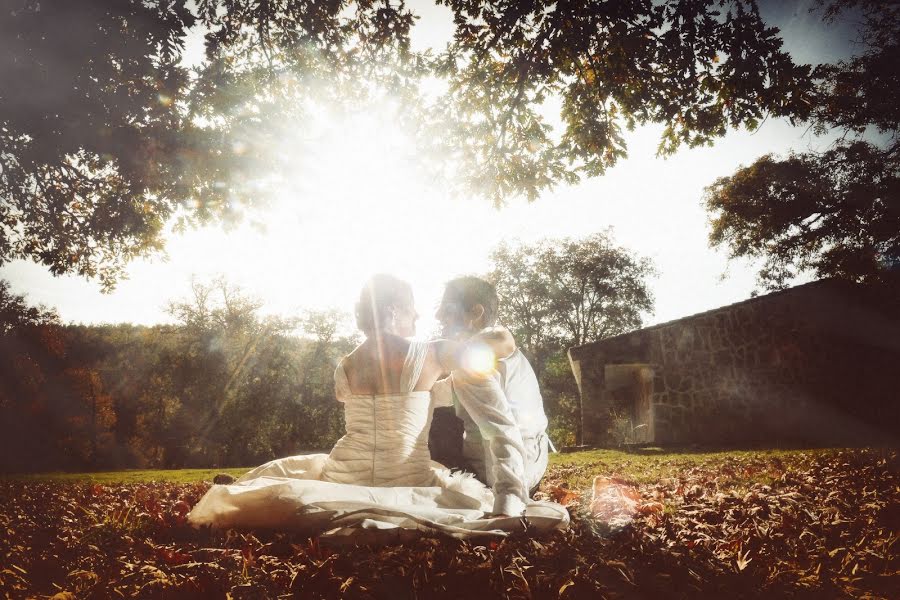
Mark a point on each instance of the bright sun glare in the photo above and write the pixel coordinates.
(478, 359)
(355, 203)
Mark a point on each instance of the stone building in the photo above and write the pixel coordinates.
(817, 363)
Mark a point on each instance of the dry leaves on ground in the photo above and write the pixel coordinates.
(822, 526)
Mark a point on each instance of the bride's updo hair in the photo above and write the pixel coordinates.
(380, 297)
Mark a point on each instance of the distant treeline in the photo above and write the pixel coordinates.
(226, 386)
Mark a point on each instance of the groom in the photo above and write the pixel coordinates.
(504, 437)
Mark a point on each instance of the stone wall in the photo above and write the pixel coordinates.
(816, 363)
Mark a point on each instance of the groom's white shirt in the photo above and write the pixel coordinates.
(505, 428)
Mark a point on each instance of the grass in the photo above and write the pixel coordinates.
(643, 466)
(650, 465)
(133, 476)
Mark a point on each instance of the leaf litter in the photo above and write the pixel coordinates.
(801, 525)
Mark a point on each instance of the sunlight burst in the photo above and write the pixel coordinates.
(352, 202)
(478, 359)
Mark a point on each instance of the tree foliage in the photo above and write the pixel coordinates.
(55, 409)
(225, 386)
(106, 135)
(697, 67)
(559, 293)
(17, 314)
(96, 153)
(831, 213)
(567, 292)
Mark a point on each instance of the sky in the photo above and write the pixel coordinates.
(357, 207)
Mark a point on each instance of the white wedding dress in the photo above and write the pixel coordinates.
(377, 484)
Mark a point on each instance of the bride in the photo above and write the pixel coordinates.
(379, 480)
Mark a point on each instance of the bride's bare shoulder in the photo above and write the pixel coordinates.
(389, 351)
(353, 354)
(353, 357)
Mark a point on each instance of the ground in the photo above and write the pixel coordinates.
(801, 523)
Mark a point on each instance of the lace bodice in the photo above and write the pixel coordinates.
(386, 443)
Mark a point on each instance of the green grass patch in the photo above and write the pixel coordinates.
(641, 465)
(650, 465)
(133, 475)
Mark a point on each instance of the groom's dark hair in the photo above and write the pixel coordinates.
(469, 291)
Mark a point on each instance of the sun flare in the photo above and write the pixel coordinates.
(478, 359)
(354, 201)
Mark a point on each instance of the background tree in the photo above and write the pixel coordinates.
(226, 342)
(105, 136)
(559, 293)
(225, 386)
(31, 349)
(317, 360)
(837, 212)
(55, 411)
(91, 417)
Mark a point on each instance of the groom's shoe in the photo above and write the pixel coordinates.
(223, 479)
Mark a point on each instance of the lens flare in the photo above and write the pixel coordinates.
(616, 502)
(479, 359)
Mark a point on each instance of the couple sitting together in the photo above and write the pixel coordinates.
(379, 482)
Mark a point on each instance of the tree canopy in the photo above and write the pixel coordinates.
(696, 67)
(94, 141)
(559, 293)
(106, 134)
(836, 212)
(17, 313)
